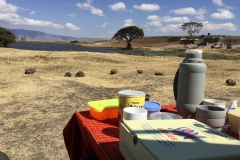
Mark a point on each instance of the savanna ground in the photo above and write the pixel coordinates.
(35, 108)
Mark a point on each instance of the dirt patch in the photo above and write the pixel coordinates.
(35, 108)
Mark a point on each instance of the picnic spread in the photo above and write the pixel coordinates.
(134, 127)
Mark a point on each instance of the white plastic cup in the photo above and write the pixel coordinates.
(134, 113)
(215, 102)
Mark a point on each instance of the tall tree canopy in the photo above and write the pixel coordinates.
(128, 34)
(6, 37)
(192, 27)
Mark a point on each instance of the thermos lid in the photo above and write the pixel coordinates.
(193, 56)
(196, 51)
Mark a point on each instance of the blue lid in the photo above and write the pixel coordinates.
(152, 106)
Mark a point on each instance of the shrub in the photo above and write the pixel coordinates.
(75, 41)
(6, 37)
(147, 54)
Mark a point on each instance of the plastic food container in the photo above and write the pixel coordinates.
(104, 109)
(152, 107)
(163, 116)
(130, 98)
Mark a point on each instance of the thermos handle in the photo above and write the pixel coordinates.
(175, 85)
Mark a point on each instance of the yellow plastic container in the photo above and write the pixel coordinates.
(130, 98)
(104, 109)
(234, 119)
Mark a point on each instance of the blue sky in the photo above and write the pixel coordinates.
(103, 18)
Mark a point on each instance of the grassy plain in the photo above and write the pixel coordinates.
(35, 108)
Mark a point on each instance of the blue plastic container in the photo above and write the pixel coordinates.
(151, 107)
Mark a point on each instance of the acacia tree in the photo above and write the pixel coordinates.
(6, 37)
(192, 27)
(128, 34)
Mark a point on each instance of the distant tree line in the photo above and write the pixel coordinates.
(75, 41)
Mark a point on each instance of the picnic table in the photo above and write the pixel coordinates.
(84, 135)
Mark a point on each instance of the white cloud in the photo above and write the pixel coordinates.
(223, 14)
(207, 26)
(218, 2)
(72, 15)
(174, 19)
(189, 10)
(11, 18)
(117, 6)
(70, 26)
(170, 28)
(88, 6)
(214, 26)
(155, 23)
(221, 4)
(228, 7)
(144, 25)
(129, 22)
(147, 7)
(7, 7)
(23, 9)
(148, 29)
(104, 24)
(156, 20)
(153, 17)
(32, 12)
(200, 17)
(8, 16)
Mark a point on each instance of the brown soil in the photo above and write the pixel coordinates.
(35, 108)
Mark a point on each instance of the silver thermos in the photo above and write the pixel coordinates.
(189, 83)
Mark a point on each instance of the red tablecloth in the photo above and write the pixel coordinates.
(85, 135)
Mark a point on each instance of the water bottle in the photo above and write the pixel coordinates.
(191, 83)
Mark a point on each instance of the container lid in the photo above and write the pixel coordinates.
(193, 56)
(103, 104)
(152, 106)
(164, 115)
(131, 93)
(195, 51)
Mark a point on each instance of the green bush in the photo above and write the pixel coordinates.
(75, 41)
(6, 37)
(147, 54)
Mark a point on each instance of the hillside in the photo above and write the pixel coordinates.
(159, 42)
(31, 35)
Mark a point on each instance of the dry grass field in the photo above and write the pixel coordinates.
(34, 108)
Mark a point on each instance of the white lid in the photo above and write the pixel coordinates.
(195, 51)
(131, 93)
